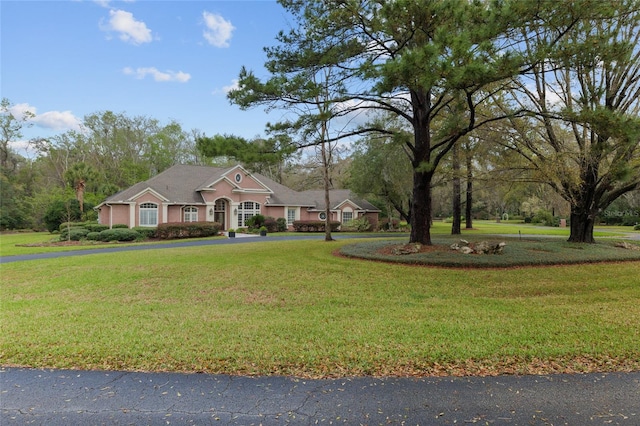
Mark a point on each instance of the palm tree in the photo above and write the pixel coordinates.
(77, 177)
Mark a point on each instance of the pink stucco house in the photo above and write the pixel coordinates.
(228, 196)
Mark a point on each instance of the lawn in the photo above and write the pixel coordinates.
(294, 308)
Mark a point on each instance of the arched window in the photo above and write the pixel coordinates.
(148, 214)
(190, 214)
(246, 210)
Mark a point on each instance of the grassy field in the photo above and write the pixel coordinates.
(22, 243)
(293, 308)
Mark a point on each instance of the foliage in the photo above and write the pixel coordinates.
(270, 224)
(73, 234)
(581, 134)
(145, 231)
(120, 226)
(281, 224)
(167, 231)
(358, 225)
(119, 234)
(255, 222)
(63, 211)
(545, 218)
(314, 226)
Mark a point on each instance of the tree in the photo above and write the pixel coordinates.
(264, 156)
(11, 130)
(77, 177)
(425, 62)
(380, 168)
(582, 137)
(311, 93)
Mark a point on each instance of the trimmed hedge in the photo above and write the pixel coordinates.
(314, 225)
(73, 234)
(118, 234)
(168, 231)
(145, 232)
(120, 226)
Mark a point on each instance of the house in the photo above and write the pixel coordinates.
(228, 196)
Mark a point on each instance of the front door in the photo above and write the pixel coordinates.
(220, 213)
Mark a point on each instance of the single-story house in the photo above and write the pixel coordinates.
(228, 196)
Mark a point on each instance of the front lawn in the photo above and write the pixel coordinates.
(294, 308)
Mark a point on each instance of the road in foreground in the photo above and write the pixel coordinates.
(64, 397)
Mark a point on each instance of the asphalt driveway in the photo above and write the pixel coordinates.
(64, 397)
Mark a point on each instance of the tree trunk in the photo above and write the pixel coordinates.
(457, 207)
(581, 226)
(327, 201)
(422, 169)
(421, 208)
(469, 199)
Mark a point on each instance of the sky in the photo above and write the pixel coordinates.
(168, 60)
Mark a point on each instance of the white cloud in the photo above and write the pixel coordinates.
(140, 73)
(233, 86)
(55, 120)
(218, 31)
(131, 31)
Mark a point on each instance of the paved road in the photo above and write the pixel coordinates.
(63, 397)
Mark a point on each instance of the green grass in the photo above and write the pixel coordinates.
(22, 243)
(292, 307)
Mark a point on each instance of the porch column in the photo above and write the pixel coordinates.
(132, 215)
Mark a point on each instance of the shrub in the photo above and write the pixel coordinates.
(358, 225)
(544, 217)
(281, 223)
(145, 232)
(96, 227)
(93, 236)
(120, 226)
(60, 211)
(637, 227)
(255, 221)
(66, 225)
(118, 234)
(314, 225)
(271, 224)
(73, 234)
(387, 224)
(187, 230)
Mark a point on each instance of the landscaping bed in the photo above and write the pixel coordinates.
(516, 253)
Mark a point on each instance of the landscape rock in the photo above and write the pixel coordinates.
(407, 249)
(483, 247)
(627, 246)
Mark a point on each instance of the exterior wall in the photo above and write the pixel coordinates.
(246, 181)
(114, 214)
(274, 211)
(373, 219)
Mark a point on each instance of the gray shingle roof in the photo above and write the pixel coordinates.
(180, 184)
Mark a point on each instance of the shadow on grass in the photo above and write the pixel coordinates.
(517, 253)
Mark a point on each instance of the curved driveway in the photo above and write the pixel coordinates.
(177, 244)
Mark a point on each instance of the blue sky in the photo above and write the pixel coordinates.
(168, 60)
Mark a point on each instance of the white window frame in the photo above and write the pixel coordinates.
(347, 213)
(322, 215)
(190, 214)
(291, 219)
(148, 214)
(246, 209)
